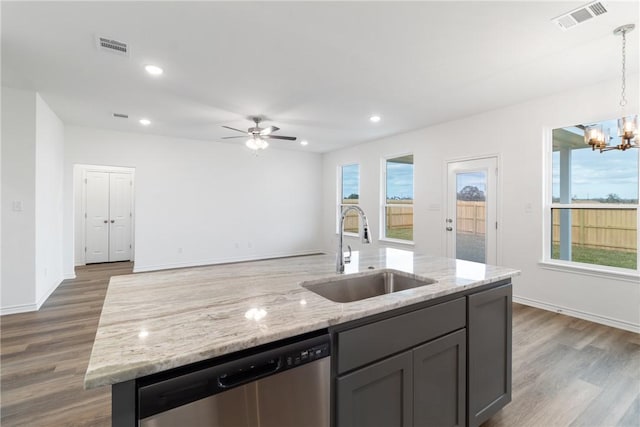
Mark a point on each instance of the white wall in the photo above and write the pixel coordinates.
(49, 160)
(516, 134)
(18, 292)
(203, 202)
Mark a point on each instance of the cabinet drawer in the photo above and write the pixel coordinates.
(365, 344)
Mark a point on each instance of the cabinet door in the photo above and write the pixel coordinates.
(378, 395)
(439, 373)
(489, 330)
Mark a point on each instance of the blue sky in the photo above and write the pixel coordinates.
(399, 180)
(474, 179)
(596, 175)
(350, 180)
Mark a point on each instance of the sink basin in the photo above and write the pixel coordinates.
(356, 288)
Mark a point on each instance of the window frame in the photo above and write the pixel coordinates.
(547, 222)
(339, 204)
(383, 200)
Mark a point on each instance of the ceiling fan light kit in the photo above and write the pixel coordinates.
(257, 135)
(595, 135)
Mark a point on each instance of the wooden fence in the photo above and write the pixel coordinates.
(613, 229)
(470, 217)
(593, 228)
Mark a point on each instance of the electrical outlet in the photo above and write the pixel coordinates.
(17, 205)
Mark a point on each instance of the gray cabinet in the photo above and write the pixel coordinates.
(378, 395)
(489, 353)
(439, 378)
(424, 386)
(446, 364)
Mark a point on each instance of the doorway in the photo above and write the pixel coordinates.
(107, 214)
(471, 223)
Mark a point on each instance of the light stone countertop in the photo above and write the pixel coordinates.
(156, 321)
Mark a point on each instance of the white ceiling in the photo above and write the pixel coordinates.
(317, 70)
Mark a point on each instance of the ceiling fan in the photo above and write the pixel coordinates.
(257, 135)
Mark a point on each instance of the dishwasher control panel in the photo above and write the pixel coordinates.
(305, 355)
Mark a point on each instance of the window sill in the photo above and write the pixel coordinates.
(591, 270)
(398, 241)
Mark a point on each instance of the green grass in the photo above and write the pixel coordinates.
(600, 256)
(400, 233)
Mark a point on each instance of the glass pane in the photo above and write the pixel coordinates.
(581, 174)
(595, 236)
(399, 222)
(471, 215)
(350, 195)
(350, 184)
(399, 191)
(399, 185)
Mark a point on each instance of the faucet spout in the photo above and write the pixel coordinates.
(366, 235)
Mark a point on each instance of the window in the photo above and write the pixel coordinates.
(398, 198)
(349, 195)
(593, 211)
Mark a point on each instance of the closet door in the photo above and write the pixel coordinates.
(120, 216)
(97, 217)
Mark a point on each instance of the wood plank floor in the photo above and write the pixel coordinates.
(45, 354)
(566, 371)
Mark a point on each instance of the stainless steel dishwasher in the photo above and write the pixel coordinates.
(287, 386)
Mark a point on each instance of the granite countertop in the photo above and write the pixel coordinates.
(156, 321)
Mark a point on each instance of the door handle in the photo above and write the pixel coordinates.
(449, 228)
(112, 221)
(105, 221)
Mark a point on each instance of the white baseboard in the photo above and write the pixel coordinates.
(20, 308)
(198, 263)
(47, 294)
(596, 318)
(25, 308)
(69, 276)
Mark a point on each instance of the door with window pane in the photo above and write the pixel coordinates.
(471, 210)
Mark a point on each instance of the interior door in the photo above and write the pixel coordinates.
(97, 217)
(108, 216)
(120, 216)
(471, 221)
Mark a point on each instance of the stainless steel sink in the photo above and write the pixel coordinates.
(356, 288)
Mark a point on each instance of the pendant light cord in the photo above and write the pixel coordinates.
(623, 96)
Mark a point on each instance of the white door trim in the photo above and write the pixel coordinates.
(499, 210)
(80, 175)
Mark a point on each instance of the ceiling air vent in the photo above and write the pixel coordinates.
(579, 15)
(120, 116)
(114, 46)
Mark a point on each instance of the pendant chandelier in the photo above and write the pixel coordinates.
(595, 135)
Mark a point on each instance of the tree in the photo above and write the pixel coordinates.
(612, 198)
(471, 193)
(352, 196)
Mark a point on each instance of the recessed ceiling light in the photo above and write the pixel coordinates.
(145, 122)
(304, 142)
(153, 70)
(374, 119)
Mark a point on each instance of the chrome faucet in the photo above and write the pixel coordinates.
(341, 260)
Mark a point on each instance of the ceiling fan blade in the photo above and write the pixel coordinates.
(231, 137)
(288, 138)
(238, 130)
(269, 130)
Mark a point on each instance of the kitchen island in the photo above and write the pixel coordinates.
(156, 322)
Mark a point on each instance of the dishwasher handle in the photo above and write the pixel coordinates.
(250, 372)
